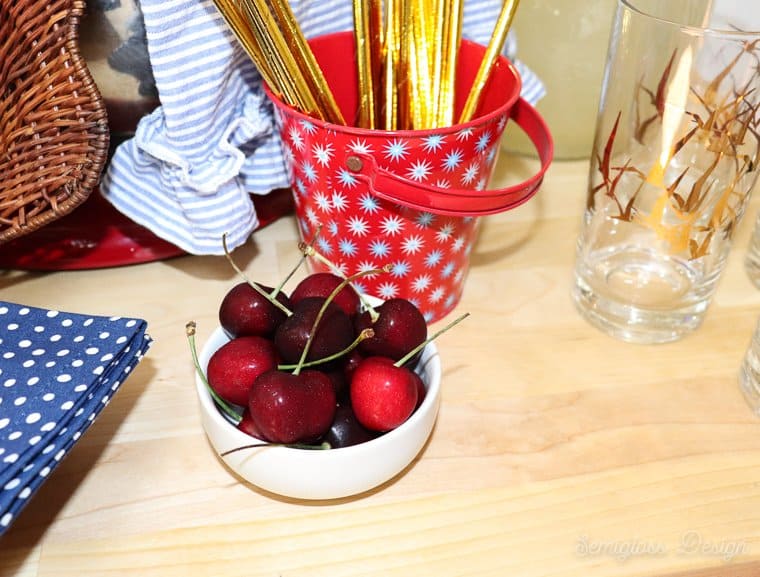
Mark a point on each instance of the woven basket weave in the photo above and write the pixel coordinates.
(53, 126)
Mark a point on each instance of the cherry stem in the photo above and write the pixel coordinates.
(422, 345)
(309, 250)
(304, 255)
(255, 286)
(321, 447)
(323, 308)
(221, 403)
(363, 336)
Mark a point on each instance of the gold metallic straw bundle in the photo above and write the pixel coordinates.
(406, 59)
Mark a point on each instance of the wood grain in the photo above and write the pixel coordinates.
(558, 451)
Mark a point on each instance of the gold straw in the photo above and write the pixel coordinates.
(364, 47)
(305, 60)
(391, 47)
(493, 50)
(452, 15)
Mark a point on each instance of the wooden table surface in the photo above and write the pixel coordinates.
(558, 451)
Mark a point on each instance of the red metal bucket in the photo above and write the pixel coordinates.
(405, 198)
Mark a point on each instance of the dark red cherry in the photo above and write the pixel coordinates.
(244, 311)
(399, 329)
(322, 284)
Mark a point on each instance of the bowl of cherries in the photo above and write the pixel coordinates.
(318, 393)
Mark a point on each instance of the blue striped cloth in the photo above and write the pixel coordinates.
(193, 163)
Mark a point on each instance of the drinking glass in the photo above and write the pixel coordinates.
(674, 161)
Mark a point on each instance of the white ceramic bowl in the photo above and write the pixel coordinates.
(322, 474)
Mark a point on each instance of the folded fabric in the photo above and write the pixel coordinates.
(193, 163)
(57, 372)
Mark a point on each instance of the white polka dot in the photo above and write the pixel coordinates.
(52, 314)
(3, 310)
(5, 520)
(38, 352)
(78, 339)
(12, 458)
(49, 426)
(80, 410)
(62, 431)
(9, 383)
(32, 418)
(12, 327)
(25, 343)
(55, 338)
(92, 350)
(12, 484)
(91, 417)
(45, 472)
(27, 364)
(34, 440)
(14, 435)
(77, 363)
(25, 492)
(67, 405)
(105, 400)
(113, 318)
(67, 322)
(98, 370)
(39, 329)
(105, 358)
(4, 422)
(131, 323)
(62, 353)
(28, 468)
(104, 335)
(48, 449)
(33, 381)
(50, 364)
(76, 435)
(8, 355)
(48, 396)
(24, 311)
(80, 388)
(19, 401)
(63, 378)
(87, 323)
(121, 340)
(127, 369)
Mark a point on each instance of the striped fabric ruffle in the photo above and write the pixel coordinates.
(189, 171)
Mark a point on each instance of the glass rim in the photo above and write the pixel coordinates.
(631, 5)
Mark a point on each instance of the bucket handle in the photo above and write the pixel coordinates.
(461, 202)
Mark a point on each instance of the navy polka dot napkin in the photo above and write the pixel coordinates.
(57, 372)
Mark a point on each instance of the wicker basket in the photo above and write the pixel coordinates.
(53, 126)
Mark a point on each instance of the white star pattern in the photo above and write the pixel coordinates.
(421, 283)
(392, 225)
(433, 143)
(309, 171)
(412, 245)
(427, 253)
(369, 203)
(358, 226)
(396, 150)
(419, 170)
(295, 138)
(483, 141)
(424, 219)
(323, 153)
(339, 201)
(387, 290)
(444, 233)
(379, 248)
(470, 174)
(322, 201)
(347, 247)
(360, 147)
(433, 258)
(346, 178)
(452, 160)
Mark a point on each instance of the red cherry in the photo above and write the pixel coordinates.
(244, 311)
(247, 426)
(399, 328)
(346, 431)
(383, 395)
(321, 284)
(234, 367)
(421, 389)
(289, 408)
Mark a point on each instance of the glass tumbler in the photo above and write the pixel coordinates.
(674, 161)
